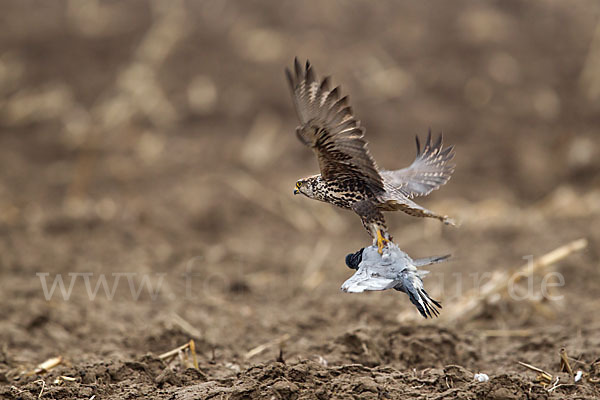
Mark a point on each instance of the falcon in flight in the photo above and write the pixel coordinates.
(349, 177)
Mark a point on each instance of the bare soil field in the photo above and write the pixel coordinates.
(147, 163)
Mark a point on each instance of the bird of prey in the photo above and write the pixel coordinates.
(395, 270)
(349, 176)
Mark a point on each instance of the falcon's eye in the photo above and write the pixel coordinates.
(298, 184)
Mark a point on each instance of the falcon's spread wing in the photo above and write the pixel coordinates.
(328, 127)
(428, 172)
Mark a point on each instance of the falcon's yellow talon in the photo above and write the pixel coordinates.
(381, 242)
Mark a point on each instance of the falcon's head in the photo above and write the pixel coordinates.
(308, 186)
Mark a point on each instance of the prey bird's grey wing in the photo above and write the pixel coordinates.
(328, 126)
(430, 170)
(421, 262)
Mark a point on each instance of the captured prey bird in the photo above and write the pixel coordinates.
(394, 270)
(349, 176)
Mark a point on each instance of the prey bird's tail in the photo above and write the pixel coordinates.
(411, 283)
(427, 306)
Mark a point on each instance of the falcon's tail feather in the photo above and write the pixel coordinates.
(399, 202)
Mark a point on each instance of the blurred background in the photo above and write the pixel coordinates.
(137, 136)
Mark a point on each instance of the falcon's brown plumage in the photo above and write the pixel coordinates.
(349, 176)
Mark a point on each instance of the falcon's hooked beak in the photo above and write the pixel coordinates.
(296, 191)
